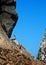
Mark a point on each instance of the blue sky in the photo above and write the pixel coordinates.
(31, 24)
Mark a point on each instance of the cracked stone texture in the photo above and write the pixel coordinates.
(42, 50)
(14, 57)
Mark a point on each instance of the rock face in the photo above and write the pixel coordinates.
(11, 52)
(42, 50)
(14, 57)
(4, 41)
(9, 15)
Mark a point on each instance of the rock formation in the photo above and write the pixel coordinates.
(42, 50)
(11, 52)
(8, 15)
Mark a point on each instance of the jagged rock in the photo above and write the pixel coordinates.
(42, 50)
(9, 15)
(12, 53)
(14, 57)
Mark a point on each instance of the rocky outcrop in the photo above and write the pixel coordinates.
(14, 57)
(42, 50)
(8, 15)
(11, 52)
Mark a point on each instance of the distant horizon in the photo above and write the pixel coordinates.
(31, 24)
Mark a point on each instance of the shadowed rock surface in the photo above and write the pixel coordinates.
(9, 15)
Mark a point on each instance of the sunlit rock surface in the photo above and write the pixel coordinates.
(4, 41)
(42, 50)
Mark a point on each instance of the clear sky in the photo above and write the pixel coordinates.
(31, 24)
